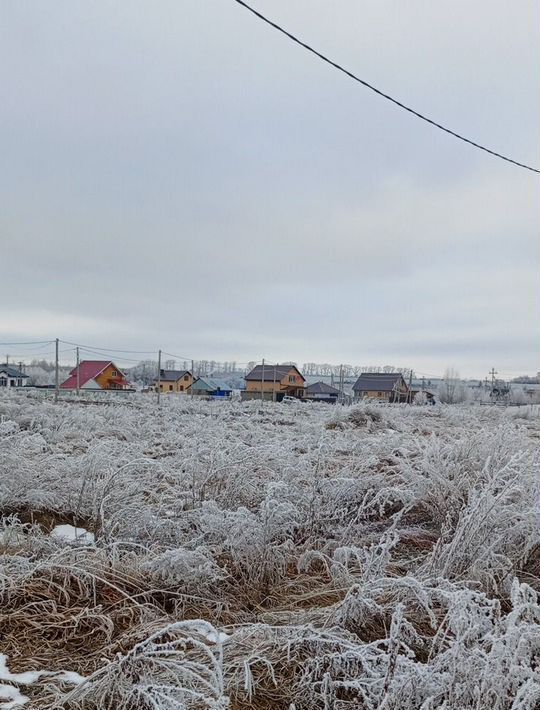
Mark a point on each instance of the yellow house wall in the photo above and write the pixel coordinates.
(103, 378)
(278, 385)
(298, 381)
(376, 394)
(252, 386)
(165, 386)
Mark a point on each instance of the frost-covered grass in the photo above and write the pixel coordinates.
(218, 554)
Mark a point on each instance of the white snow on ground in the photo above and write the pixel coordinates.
(365, 557)
(23, 678)
(72, 534)
(13, 696)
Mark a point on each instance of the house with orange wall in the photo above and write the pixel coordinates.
(96, 375)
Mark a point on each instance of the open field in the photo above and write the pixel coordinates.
(295, 556)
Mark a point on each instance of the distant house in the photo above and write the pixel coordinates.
(12, 377)
(321, 392)
(274, 382)
(96, 375)
(428, 395)
(383, 387)
(174, 380)
(210, 387)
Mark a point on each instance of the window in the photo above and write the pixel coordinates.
(3, 382)
(292, 378)
(114, 373)
(181, 388)
(170, 388)
(186, 377)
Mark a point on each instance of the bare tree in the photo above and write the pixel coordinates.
(451, 390)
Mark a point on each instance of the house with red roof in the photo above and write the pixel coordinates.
(96, 375)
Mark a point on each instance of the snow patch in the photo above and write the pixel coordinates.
(12, 694)
(69, 533)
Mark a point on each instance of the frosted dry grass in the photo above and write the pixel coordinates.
(278, 557)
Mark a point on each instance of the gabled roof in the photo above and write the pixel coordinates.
(382, 382)
(172, 375)
(211, 384)
(271, 373)
(12, 371)
(88, 370)
(321, 388)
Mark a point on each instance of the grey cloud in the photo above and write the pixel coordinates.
(172, 158)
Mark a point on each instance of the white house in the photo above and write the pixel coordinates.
(12, 377)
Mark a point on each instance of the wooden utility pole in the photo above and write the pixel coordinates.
(409, 393)
(192, 378)
(262, 382)
(78, 371)
(56, 374)
(159, 376)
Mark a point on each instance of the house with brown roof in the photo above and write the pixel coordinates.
(274, 382)
(96, 375)
(383, 387)
(174, 381)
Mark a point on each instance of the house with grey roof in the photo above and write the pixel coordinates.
(171, 381)
(273, 382)
(210, 387)
(381, 387)
(12, 376)
(322, 392)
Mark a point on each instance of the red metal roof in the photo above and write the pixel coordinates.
(88, 370)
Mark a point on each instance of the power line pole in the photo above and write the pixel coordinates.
(262, 382)
(78, 372)
(56, 374)
(192, 378)
(409, 393)
(492, 372)
(159, 376)
(274, 385)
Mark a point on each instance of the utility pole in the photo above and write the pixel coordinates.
(262, 382)
(78, 372)
(409, 393)
(159, 376)
(341, 385)
(492, 372)
(274, 387)
(56, 374)
(192, 378)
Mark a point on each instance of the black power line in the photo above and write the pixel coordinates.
(379, 92)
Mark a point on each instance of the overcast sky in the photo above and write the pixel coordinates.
(176, 174)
